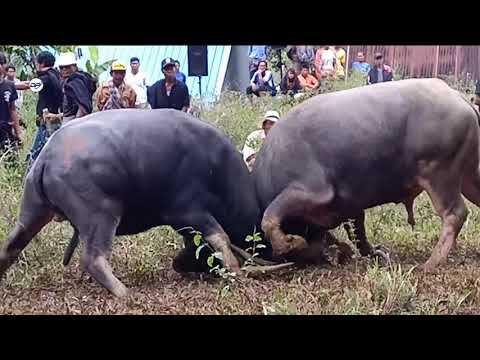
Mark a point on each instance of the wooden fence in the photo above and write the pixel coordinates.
(425, 61)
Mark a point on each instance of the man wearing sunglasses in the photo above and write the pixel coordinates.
(379, 72)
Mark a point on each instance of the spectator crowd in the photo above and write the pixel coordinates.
(67, 93)
(310, 67)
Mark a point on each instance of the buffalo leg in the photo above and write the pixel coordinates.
(20, 237)
(98, 239)
(359, 237)
(471, 187)
(213, 234)
(447, 201)
(96, 223)
(72, 245)
(293, 202)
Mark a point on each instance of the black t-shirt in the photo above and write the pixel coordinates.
(51, 95)
(78, 90)
(8, 95)
(178, 98)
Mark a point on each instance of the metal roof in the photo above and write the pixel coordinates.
(151, 57)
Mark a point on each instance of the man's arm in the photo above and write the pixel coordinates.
(23, 85)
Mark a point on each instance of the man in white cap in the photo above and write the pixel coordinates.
(78, 88)
(255, 139)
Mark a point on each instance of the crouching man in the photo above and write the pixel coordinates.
(255, 139)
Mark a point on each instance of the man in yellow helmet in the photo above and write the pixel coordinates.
(115, 93)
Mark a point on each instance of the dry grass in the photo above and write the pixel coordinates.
(39, 284)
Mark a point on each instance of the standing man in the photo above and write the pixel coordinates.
(361, 65)
(341, 58)
(50, 97)
(10, 133)
(380, 72)
(169, 92)
(180, 75)
(115, 94)
(138, 81)
(78, 88)
(12, 76)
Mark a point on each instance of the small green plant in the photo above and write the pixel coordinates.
(200, 243)
(255, 238)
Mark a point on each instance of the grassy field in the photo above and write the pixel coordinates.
(39, 283)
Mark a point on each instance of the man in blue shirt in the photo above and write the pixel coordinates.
(361, 65)
(180, 75)
(257, 53)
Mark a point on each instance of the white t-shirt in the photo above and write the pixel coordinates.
(19, 101)
(328, 60)
(253, 143)
(139, 83)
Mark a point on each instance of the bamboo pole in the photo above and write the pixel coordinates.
(437, 54)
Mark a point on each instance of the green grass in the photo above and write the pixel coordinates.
(39, 283)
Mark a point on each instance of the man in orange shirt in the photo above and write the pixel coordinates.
(307, 81)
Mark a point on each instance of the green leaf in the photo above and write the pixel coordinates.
(197, 239)
(89, 67)
(249, 238)
(197, 252)
(93, 53)
(210, 261)
(261, 246)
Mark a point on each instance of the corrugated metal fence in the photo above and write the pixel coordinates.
(425, 61)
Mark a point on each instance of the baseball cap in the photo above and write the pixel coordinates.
(167, 61)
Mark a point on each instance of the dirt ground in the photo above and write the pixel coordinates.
(39, 284)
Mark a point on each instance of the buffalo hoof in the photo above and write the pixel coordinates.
(290, 243)
(120, 291)
(381, 253)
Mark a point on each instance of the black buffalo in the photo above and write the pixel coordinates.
(335, 155)
(125, 171)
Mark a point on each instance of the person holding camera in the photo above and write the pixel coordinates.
(115, 93)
